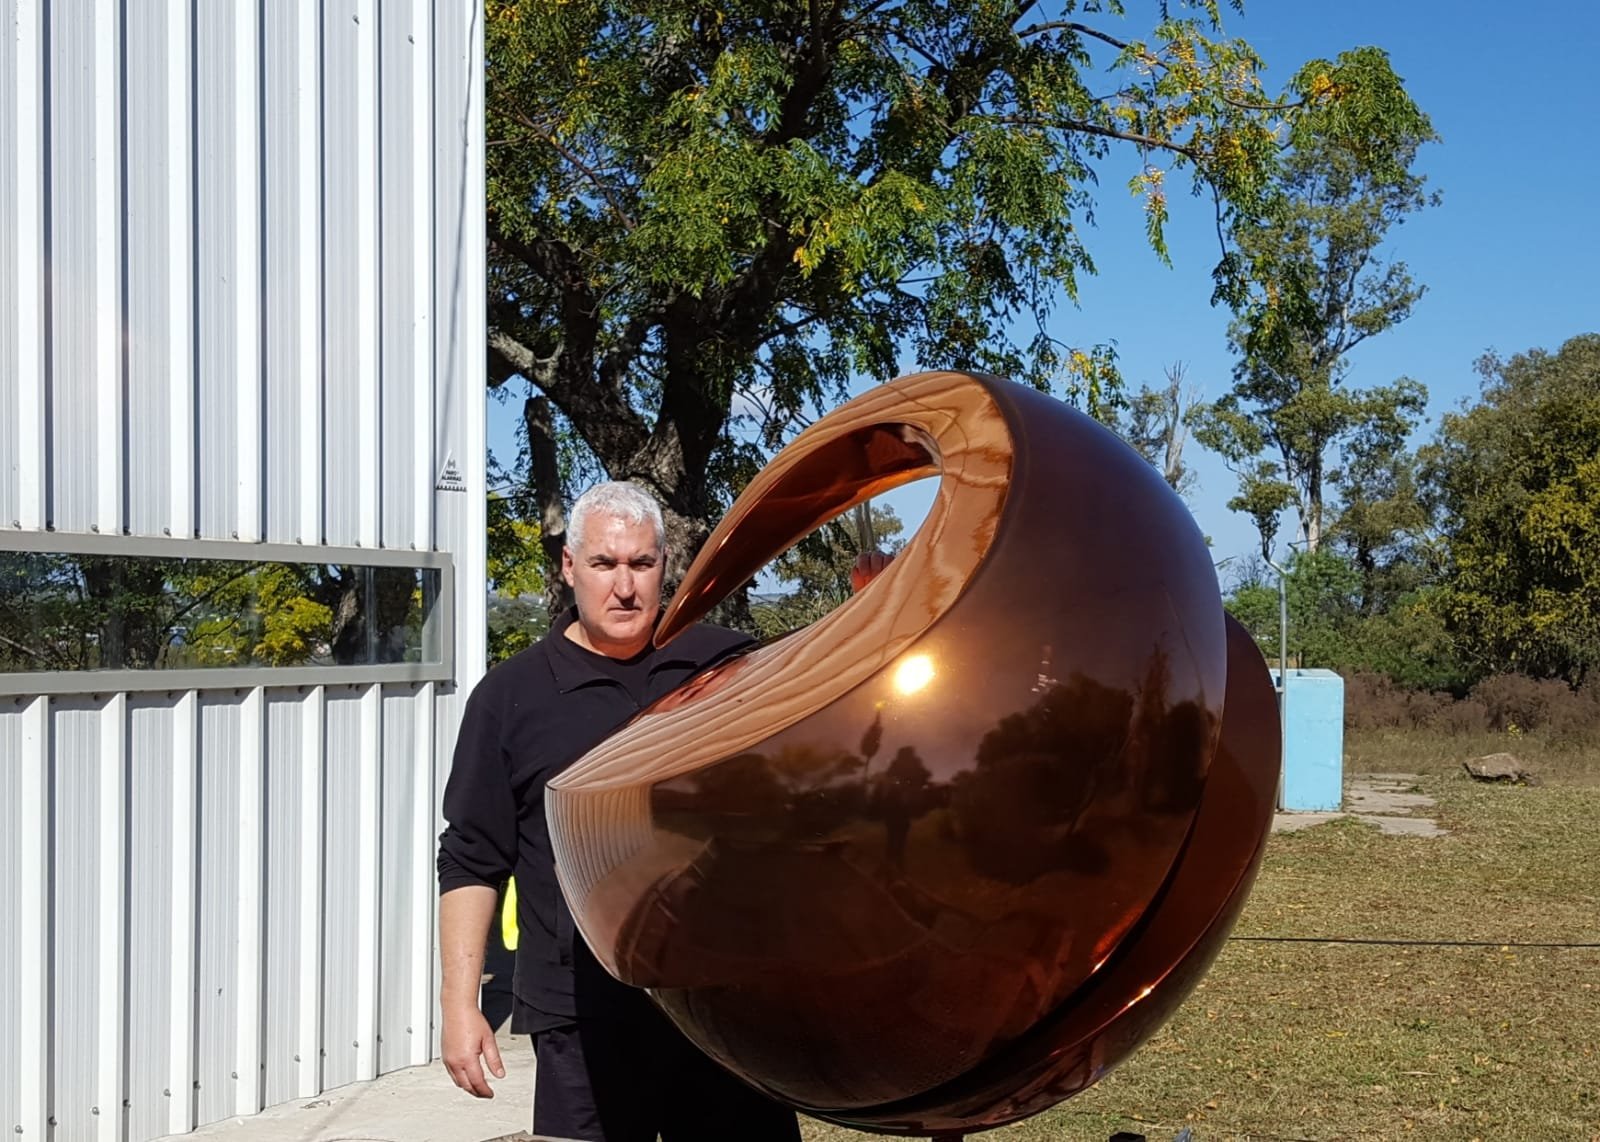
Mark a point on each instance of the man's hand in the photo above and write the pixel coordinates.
(467, 1038)
(464, 917)
(868, 567)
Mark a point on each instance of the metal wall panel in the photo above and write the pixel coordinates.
(459, 523)
(84, 311)
(447, 712)
(263, 316)
(182, 1042)
(405, 905)
(217, 998)
(291, 46)
(285, 791)
(12, 812)
(226, 267)
(151, 956)
(341, 975)
(29, 926)
(406, 263)
(75, 936)
(21, 262)
(350, 267)
(156, 218)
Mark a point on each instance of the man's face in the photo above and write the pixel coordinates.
(616, 578)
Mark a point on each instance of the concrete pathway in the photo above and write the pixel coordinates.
(1387, 801)
(419, 1104)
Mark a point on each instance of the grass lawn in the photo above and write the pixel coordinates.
(1322, 1040)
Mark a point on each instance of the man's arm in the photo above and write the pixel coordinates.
(465, 914)
(477, 851)
(868, 566)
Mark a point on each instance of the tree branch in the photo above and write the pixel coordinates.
(516, 359)
(618, 359)
(1084, 29)
(553, 260)
(601, 415)
(1150, 141)
(522, 120)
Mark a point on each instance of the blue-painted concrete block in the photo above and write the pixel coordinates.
(1313, 748)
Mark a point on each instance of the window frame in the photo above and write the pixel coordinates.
(438, 628)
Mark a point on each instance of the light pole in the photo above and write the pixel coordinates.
(1283, 618)
(1283, 659)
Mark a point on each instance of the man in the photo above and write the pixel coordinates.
(611, 1068)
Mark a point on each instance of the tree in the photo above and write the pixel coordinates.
(816, 571)
(1156, 422)
(1382, 526)
(515, 613)
(1308, 285)
(1404, 641)
(1320, 588)
(705, 218)
(1515, 485)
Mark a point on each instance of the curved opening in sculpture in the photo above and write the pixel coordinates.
(905, 430)
(821, 484)
(817, 573)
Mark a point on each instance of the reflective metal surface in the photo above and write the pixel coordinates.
(942, 858)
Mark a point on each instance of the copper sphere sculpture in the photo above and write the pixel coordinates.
(944, 857)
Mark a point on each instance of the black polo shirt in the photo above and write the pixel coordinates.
(526, 721)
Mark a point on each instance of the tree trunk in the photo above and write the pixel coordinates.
(1313, 523)
(126, 594)
(686, 534)
(544, 478)
(1175, 428)
(1311, 515)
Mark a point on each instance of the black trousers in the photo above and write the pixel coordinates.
(630, 1079)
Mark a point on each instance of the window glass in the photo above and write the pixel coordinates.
(90, 612)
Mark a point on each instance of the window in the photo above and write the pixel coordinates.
(219, 607)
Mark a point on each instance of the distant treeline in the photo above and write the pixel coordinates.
(1466, 569)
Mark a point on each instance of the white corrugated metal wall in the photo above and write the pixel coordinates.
(240, 301)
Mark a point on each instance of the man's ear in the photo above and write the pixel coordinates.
(566, 566)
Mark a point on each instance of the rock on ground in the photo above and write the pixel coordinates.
(1499, 767)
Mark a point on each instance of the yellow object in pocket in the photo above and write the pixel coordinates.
(508, 917)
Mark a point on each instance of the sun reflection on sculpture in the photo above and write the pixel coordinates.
(913, 674)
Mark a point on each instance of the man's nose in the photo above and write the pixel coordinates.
(623, 584)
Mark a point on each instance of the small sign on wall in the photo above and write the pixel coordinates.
(450, 476)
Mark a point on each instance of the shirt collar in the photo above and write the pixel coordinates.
(573, 666)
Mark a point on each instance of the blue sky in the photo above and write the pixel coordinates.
(1509, 258)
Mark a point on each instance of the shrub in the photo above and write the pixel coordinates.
(1526, 704)
(1462, 717)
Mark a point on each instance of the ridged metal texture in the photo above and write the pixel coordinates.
(241, 255)
(943, 857)
(236, 906)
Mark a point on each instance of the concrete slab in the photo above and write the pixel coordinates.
(419, 1104)
(1402, 826)
(1383, 800)
(1294, 822)
(1376, 799)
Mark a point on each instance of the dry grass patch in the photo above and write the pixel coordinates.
(1428, 753)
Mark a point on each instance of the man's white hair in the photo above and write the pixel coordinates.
(614, 499)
